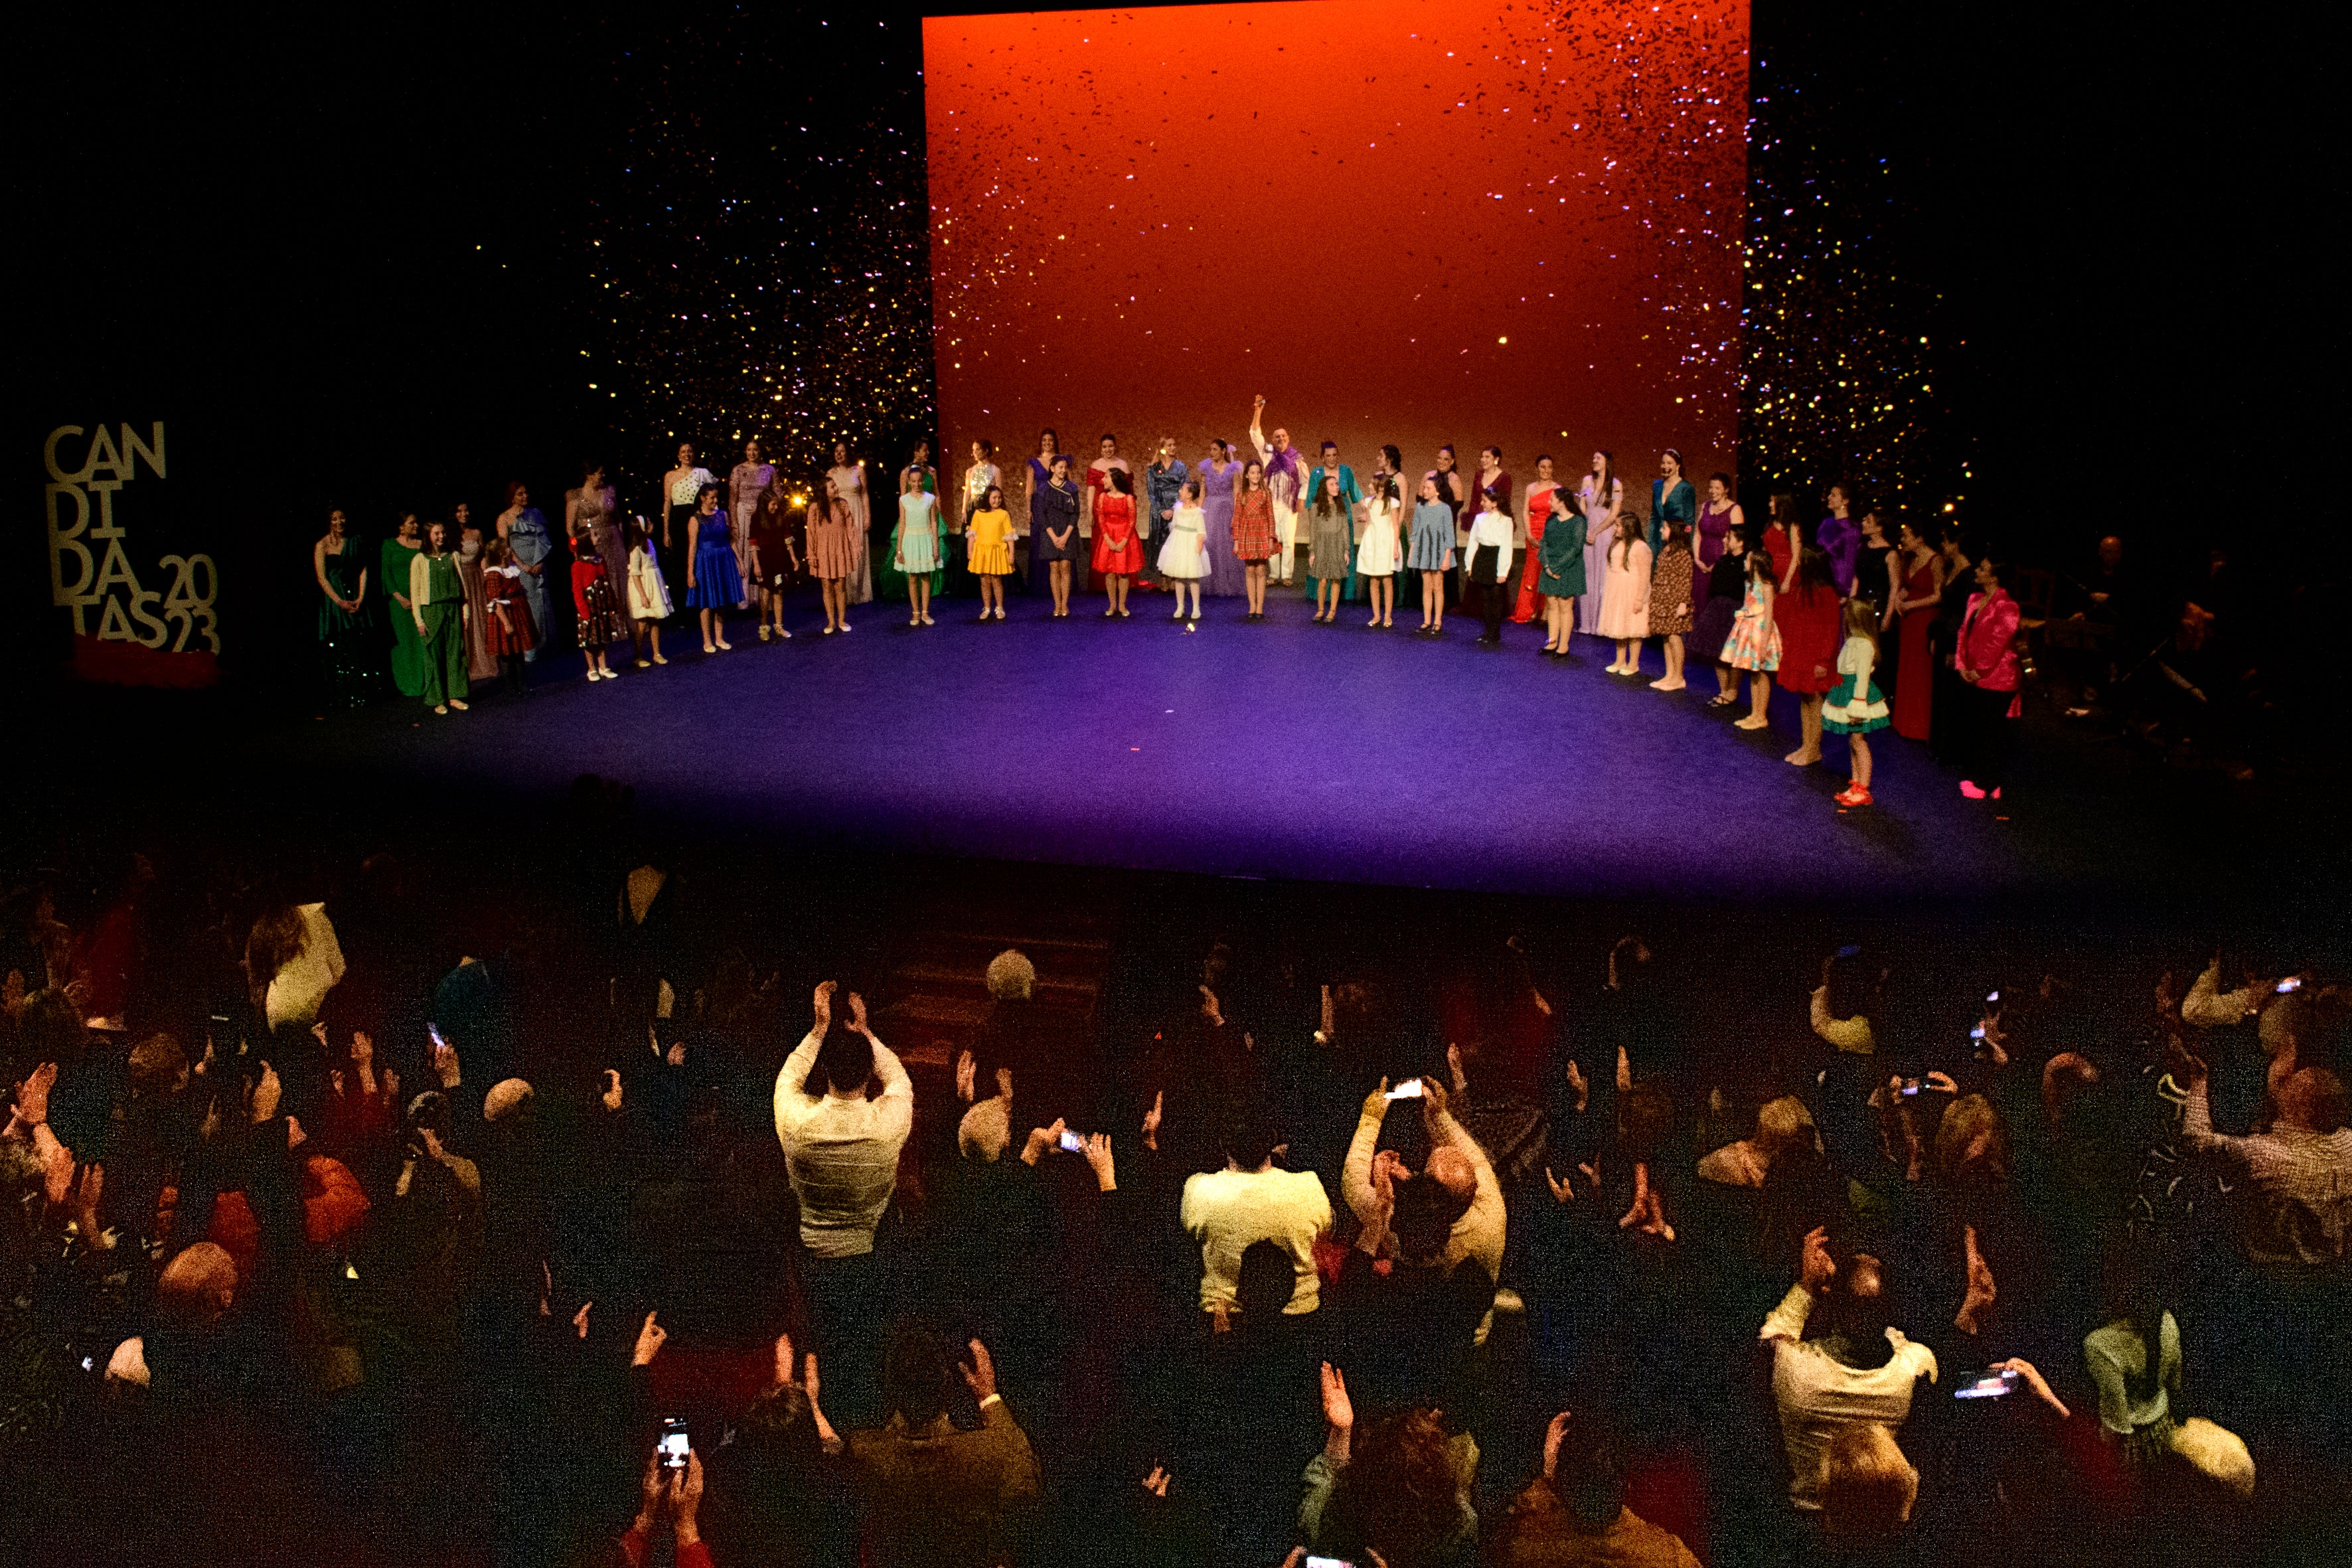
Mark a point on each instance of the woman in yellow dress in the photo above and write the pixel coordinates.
(988, 539)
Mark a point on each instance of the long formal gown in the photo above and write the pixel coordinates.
(1915, 672)
(1226, 577)
(345, 636)
(1808, 620)
(534, 546)
(747, 489)
(1530, 603)
(1598, 535)
(407, 660)
(481, 664)
(859, 584)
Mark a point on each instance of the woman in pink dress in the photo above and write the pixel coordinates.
(1538, 504)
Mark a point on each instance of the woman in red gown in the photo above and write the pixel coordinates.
(1530, 603)
(1118, 554)
(1808, 618)
(1921, 592)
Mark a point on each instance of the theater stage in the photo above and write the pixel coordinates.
(1278, 750)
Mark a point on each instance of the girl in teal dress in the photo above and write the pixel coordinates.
(408, 662)
(1857, 706)
(1560, 560)
(919, 546)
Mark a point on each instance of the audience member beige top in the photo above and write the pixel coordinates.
(1228, 1210)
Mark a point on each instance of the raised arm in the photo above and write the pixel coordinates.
(1356, 1172)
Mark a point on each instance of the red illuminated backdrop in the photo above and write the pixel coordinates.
(1400, 220)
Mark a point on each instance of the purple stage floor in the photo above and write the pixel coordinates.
(1279, 749)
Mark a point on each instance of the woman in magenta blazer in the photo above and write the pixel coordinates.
(1985, 658)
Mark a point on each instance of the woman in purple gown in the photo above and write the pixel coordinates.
(1227, 576)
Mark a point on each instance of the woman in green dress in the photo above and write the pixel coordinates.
(437, 597)
(344, 617)
(399, 553)
(1560, 556)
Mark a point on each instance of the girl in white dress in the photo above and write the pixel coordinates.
(649, 592)
(1378, 547)
(1184, 559)
(1625, 596)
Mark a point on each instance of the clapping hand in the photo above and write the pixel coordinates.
(967, 1074)
(858, 1015)
(1815, 1267)
(1339, 1412)
(1552, 1436)
(1151, 1121)
(981, 1375)
(822, 1006)
(651, 1337)
(1098, 1153)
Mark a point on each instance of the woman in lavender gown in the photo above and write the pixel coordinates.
(1227, 576)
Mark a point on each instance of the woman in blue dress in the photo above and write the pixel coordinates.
(525, 529)
(712, 581)
(1432, 554)
(1053, 532)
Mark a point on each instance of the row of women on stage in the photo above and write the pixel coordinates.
(1763, 602)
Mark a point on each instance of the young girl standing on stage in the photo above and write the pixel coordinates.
(508, 616)
(1118, 554)
(918, 543)
(1856, 707)
(1625, 594)
(1431, 555)
(711, 581)
(1253, 533)
(833, 554)
(1328, 547)
(1670, 598)
(1559, 557)
(1754, 645)
(648, 596)
(770, 550)
(988, 540)
(1379, 551)
(1184, 560)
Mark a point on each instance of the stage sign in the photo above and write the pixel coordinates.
(141, 615)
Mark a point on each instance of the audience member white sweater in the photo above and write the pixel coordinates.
(842, 1154)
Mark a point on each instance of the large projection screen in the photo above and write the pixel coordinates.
(1408, 221)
